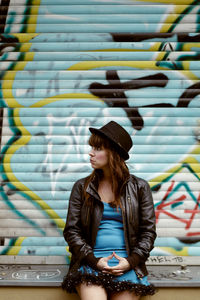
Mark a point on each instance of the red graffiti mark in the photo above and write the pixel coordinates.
(169, 190)
(162, 205)
(193, 233)
(193, 212)
(161, 209)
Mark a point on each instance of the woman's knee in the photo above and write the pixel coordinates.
(124, 296)
(91, 292)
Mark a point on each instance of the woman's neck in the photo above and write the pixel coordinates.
(106, 175)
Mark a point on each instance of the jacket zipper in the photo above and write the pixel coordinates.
(125, 229)
(130, 207)
(87, 215)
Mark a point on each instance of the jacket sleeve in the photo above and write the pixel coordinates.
(73, 233)
(147, 227)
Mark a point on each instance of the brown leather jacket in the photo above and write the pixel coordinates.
(138, 220)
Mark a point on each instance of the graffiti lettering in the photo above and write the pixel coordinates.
(165, 259)
(114, 93)
(139, 37)
(189, 94)
(7, 43)
(166, 203)
(169, 275)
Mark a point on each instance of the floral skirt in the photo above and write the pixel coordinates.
(112, 284)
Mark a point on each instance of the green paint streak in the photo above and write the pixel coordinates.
(176, 66)
(173, 206)
(17, 135)
(170, 65)
(186, 11)
(10, 244)
(184, 165)
(27, 13)
(9, 184)
(18, 213)
(176, 189)
(12, 64)
(198, 21)
(189, 57)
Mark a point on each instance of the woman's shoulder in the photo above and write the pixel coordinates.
(78, 186)
(140, 181)
(80, 181)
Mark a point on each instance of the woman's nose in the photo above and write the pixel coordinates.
(91, 153)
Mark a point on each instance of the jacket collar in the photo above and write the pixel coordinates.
(92, 187)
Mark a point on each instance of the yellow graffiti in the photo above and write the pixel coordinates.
(173, 2)
(16, 247)
(7, 91)
(80, 96)
(25, 37)
(26, 136)
(182, 252)
(12, 102)
(193, 163)
(88, 65)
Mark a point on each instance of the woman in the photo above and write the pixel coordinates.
(110, 227)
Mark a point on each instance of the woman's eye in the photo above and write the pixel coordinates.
(97, 148)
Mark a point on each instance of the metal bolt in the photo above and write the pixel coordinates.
(183, 267)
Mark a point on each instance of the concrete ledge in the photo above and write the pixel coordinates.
(52, 275)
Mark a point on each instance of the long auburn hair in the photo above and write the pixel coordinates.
(118, 168)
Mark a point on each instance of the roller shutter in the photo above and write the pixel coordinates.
(71, 64)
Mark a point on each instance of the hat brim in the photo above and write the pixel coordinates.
(119, 149)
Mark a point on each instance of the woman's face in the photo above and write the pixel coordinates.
(98, 158)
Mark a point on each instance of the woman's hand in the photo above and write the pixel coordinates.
(119, 269)
(103, 262)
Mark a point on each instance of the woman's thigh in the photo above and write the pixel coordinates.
(91, 292)
(124, 296)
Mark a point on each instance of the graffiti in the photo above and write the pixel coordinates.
(177, 202)
(35, 275)
(67, 67)
(8, 43)
(139, 37)
(4, 5)
(31, 273)
(165, 259)
(189, 94)
(1, 121)
(114, 93)
(183, 274)
(3, 15)
(3, 22)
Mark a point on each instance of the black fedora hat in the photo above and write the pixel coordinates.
(117, 135)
